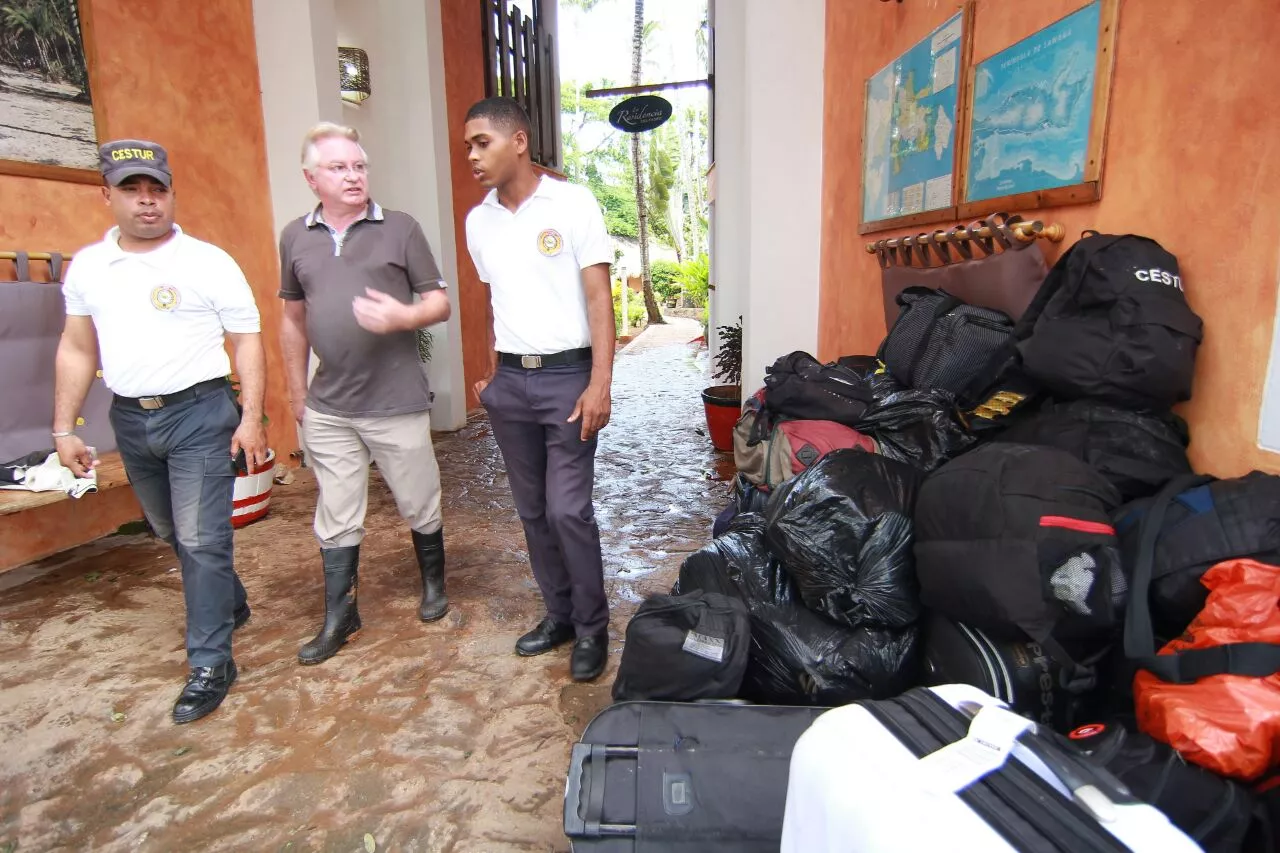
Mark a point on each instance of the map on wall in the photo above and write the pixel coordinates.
(909, 135)
(1032, 105)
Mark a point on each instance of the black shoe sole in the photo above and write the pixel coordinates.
(592, 676)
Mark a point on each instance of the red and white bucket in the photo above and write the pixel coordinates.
(252, 496)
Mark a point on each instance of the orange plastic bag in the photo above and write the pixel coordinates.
(1227, 723)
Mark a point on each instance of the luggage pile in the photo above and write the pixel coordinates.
(1005, 503)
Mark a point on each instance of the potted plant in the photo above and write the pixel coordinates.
(723, 403)
(251, 495)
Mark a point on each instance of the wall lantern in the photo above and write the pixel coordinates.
(353, 74)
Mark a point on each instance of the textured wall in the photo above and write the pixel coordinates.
(1191, 161)
(186, 75)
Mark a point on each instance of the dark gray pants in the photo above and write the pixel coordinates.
(179, 463)
(552, 474)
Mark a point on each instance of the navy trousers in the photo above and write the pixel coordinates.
(179, 463)
(552, 475)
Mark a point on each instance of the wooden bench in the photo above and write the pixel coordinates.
(35, 525)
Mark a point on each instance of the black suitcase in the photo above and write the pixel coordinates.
(672, 776)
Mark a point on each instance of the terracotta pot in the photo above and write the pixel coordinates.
(723, 405)
(252, 495)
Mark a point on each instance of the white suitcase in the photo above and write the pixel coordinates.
(879, 777)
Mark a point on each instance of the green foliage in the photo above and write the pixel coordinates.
(44, 36)
(729, 354)
(663, 153)
(695, 278)
(635, 309)
(666, 279)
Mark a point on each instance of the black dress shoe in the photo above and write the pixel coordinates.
(589, 657)
(544, 638)
(242, 616)
(206, 687)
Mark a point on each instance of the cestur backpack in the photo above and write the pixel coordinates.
(1111, 323)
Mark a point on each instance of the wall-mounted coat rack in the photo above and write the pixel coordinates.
(22, 260)
(934, 248)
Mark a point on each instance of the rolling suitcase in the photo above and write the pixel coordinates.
(669, 776)
(938, 769)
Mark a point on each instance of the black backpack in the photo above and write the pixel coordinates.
(1137, 451)
(1017, 541)
(685, 647)
(1206, 521)
(798, 386)
(1111, 322)
(940, 343)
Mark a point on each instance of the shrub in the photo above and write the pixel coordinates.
(665, 276)
(695, 277)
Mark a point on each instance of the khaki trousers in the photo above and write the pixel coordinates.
(339, 450)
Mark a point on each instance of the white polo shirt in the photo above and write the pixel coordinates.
(160, 315)
(532, 261)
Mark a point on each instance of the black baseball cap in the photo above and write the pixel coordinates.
(125, 158)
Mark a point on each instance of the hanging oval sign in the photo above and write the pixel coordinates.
(641, 113)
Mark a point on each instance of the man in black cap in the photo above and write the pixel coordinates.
(155, 305)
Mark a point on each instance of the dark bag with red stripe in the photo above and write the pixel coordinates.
(1016, 540)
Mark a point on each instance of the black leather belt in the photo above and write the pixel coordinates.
(554, 359)
(161, 400)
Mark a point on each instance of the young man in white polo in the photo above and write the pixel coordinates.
(349, 272)
(157, 305)
(541, 247)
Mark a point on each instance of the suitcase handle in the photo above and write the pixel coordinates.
(586, 764)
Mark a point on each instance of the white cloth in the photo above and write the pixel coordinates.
(854, 788)
(532, 261)
(50, 475)
(160, 315)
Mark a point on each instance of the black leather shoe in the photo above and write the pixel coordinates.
(589, 657)
(242, 616)
(206, 687)
(544, 638)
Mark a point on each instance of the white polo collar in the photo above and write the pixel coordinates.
(112, 242)
(372, 212)
(546, 189)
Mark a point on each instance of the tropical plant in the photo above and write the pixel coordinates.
(44, 36)
(666, 279)
(729, 355)
(695, 279)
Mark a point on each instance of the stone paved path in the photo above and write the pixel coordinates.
(427, 737)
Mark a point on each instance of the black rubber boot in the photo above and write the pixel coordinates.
(430, 550)
(341, 618)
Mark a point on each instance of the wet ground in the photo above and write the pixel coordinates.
(415, 737)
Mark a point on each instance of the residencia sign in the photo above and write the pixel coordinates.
(641, 113)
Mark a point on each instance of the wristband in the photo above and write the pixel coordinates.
(62, 434)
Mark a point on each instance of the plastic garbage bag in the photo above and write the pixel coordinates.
(922, 428)
(1227, 723)
(738, 564)
(843, 530)
(799, 658)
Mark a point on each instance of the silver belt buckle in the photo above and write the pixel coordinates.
(151, 403)
(531, 362)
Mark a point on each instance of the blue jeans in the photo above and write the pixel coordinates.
(179, 463)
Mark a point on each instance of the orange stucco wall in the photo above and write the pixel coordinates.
(1192, 159)
(186, 75)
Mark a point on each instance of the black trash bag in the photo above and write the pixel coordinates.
(737, 564)
(843, 530)
(800, 658)
(922, 428)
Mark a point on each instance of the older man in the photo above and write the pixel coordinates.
(350, 270)
(156, 304)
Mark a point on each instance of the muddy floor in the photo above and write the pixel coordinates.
(415, 737)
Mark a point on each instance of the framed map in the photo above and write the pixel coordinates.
(1038, 116)
(909, 136)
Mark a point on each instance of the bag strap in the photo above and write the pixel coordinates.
(1256, 660)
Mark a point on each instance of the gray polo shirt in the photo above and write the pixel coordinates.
(360, 374)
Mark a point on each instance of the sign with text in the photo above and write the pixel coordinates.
(641, 113)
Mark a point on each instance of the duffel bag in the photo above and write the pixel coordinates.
(1017, 540)
(940, 343)
(685, 647)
